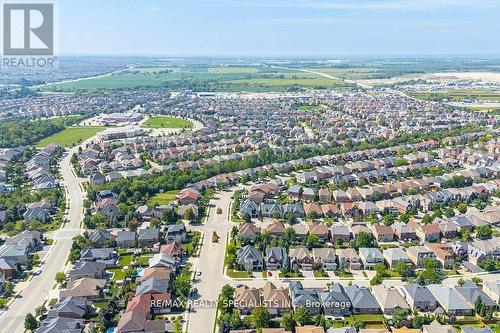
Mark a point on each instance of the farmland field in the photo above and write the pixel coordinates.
(166, 122)
(221, 78)
(71, 136)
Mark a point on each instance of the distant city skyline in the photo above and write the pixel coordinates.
(279, 28)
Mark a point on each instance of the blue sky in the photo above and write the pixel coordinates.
(279, 27)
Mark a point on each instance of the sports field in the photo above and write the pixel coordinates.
(71, 136)
(166, 122)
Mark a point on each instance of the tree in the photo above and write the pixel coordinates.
(8, 287)
(30, 323)
(462, 208)
(489, 265)
(60, 277)
(288, 321)
(190, 216)
(312, 241)
(247, 218)
(400, 317)
(177, 325)
(363, 239)
(484, 231)
(430, 273)
(403, 269)
(260, 317)
(479, 307)
(302, 316)
(461, 282)
(358, 324)
(290, 235)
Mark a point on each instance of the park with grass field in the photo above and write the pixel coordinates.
(166, 122)
(71, 136)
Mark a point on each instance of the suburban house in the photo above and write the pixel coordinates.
(362, 300)
(276, 258)
(325, 258)
(389, 299)
(450, 300)
(419, 297)
(371, 257)
(250, 258)
(301, 258)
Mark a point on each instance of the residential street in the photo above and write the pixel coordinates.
(210, 263)
(38, 289)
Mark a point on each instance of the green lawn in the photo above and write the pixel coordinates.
(307, 107)
(143, 260)
(118, 274)
(162, 198)
(166, 122)
(125, 260)
(71, 136)
(238, 274)
(320, 274)
(344, 274)
(368, 317)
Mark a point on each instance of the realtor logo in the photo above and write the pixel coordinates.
(28, 34)
(28, 29)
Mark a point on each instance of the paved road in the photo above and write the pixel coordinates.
(39, 289)
(211, 263)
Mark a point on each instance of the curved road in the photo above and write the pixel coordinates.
(35, 291)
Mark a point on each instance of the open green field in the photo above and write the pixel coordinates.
(162, 198)
(166, 122)
(462, 95)
(208, 78)
(71, 136)
(350, 73)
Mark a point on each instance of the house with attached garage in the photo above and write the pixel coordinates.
(340, 233)
(250, 259)
(275, 258)
(250, 208)
(325, 257)
(301, 258)
(393, 255)
(349, 259)
(389, 299)
(335, 301)
(370, 257)
(419, 297)
(248, 231)
(305, 297)
(450, 300)
(471, 292)
(125, 238)
(295, 209)
(418, 254)
(362, 300)
(148, 237)
(246, 299)
(276, 300)
(175, 233)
